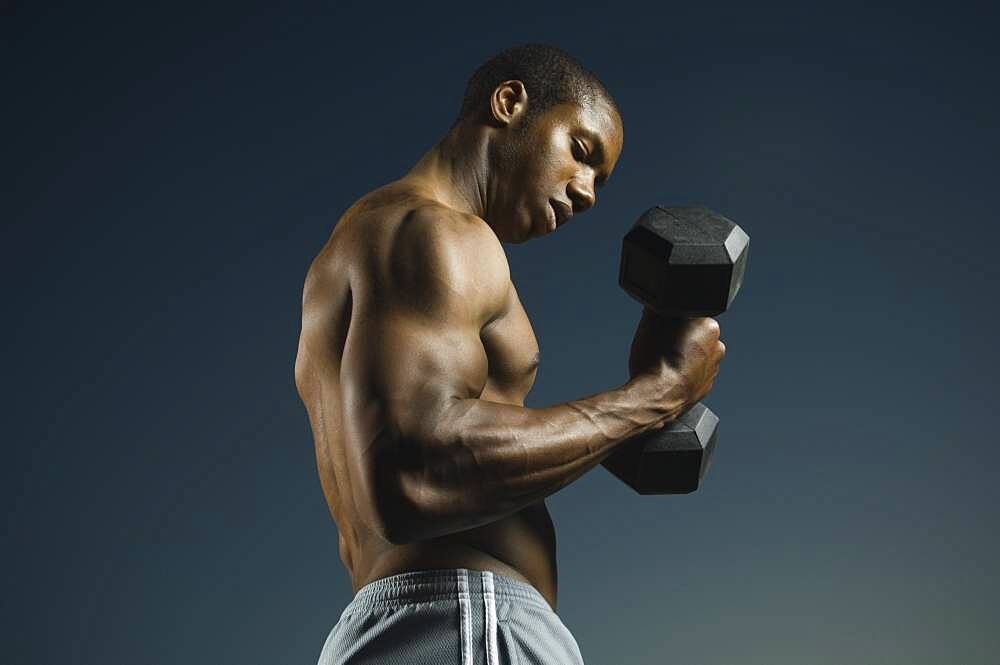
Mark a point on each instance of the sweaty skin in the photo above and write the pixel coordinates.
(416, 354)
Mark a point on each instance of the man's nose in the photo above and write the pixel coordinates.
(581, 192)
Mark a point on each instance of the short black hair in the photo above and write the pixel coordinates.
(550, 76)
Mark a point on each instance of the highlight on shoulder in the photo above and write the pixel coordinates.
(438, 250)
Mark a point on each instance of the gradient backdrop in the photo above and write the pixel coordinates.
(173, 169)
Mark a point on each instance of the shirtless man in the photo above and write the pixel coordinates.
(414, 360)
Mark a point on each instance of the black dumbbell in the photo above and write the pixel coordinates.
(680, 262)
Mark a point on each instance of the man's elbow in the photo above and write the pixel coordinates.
(396, 516)
(397, 500)
(399, 526)
(398, 534)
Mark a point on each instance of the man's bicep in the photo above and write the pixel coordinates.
(418, 337)
(399, 375)
(408, 369)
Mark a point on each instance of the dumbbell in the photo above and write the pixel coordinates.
(679, 262)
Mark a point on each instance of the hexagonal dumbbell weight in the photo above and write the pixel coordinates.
(680, 262)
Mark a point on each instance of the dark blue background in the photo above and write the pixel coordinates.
(172, 170)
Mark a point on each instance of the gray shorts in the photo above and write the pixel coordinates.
(449, 617)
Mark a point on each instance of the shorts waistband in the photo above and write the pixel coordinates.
(423, 586)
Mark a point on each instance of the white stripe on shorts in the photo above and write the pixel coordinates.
(465, 610)
(489, 599)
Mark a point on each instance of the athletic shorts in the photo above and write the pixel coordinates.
(449, 617)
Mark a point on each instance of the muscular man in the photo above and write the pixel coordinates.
(414, 360)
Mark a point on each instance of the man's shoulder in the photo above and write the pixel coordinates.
(398, 207)
(437, 237)
(401, 243)
(406, 218)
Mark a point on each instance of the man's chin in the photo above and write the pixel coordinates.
(530, 227)
(528, 230)
(542, 225)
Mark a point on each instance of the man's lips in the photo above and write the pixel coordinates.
(563, 211)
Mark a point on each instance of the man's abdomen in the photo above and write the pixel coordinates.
(521, 546)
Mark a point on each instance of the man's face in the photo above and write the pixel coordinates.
(551, 169)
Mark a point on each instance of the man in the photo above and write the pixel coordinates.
(416, 355)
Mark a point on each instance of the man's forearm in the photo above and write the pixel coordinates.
(488, 460)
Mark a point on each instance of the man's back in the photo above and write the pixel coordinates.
(355, 306)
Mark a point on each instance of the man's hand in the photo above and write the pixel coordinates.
(680, 355)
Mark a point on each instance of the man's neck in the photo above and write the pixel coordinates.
(455, 170)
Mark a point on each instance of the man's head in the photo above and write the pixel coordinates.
(555, 134)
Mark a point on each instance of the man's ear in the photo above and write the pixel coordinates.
(508, 102)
